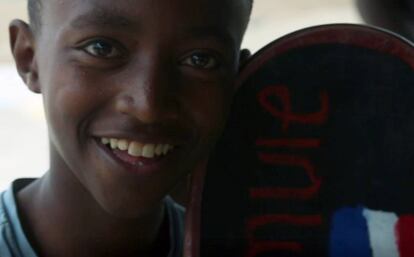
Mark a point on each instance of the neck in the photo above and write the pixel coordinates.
(63, 219)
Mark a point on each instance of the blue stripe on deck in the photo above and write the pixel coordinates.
(349, 234)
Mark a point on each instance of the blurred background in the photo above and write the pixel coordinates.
(23, 131)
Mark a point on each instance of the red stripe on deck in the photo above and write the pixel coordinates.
(259, 248)
(286, 114)
(405, 236)
(288, 192)
(304, 220)
(290, 143)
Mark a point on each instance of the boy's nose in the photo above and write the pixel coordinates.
(150, 96)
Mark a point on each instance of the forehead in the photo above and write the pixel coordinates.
(231, 15)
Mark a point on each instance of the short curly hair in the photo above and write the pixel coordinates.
(35, 6)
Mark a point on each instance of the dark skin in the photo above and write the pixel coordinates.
(151, 71)
(394, 15)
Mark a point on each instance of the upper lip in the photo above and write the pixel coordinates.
(147, 136)
(141, 138)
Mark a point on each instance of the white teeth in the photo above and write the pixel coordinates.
(159, 149)
(148, 151)
(123, 145)
(114, 143)
(105, 141)
(165, 149)
(137, 149)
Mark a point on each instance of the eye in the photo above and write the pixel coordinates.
(102, 49)
(201, 61)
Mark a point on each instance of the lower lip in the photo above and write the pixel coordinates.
(136, 164)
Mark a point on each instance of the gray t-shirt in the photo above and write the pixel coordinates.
(14, 243)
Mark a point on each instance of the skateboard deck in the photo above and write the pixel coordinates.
(318, 155)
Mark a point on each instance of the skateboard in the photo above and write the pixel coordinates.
(317, 158)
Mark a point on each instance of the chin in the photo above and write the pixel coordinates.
(132, 208)
(129, 201)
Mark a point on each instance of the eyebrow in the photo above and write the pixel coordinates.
(101, 18)
(214, 32)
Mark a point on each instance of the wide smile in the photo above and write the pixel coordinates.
(137, 156)
(137, 149)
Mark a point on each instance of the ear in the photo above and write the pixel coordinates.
(22, 44)
(244, 57)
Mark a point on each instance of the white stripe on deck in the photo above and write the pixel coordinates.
(381, 230)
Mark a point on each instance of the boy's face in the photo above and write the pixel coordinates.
(149, 71)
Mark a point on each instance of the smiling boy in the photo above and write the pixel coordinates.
(135, 95)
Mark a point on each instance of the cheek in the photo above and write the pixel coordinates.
(209, 107)
(70, 100)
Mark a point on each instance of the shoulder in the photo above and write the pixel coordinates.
(13, 241)
(175, 208)
(7, 243)
(176, 216)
